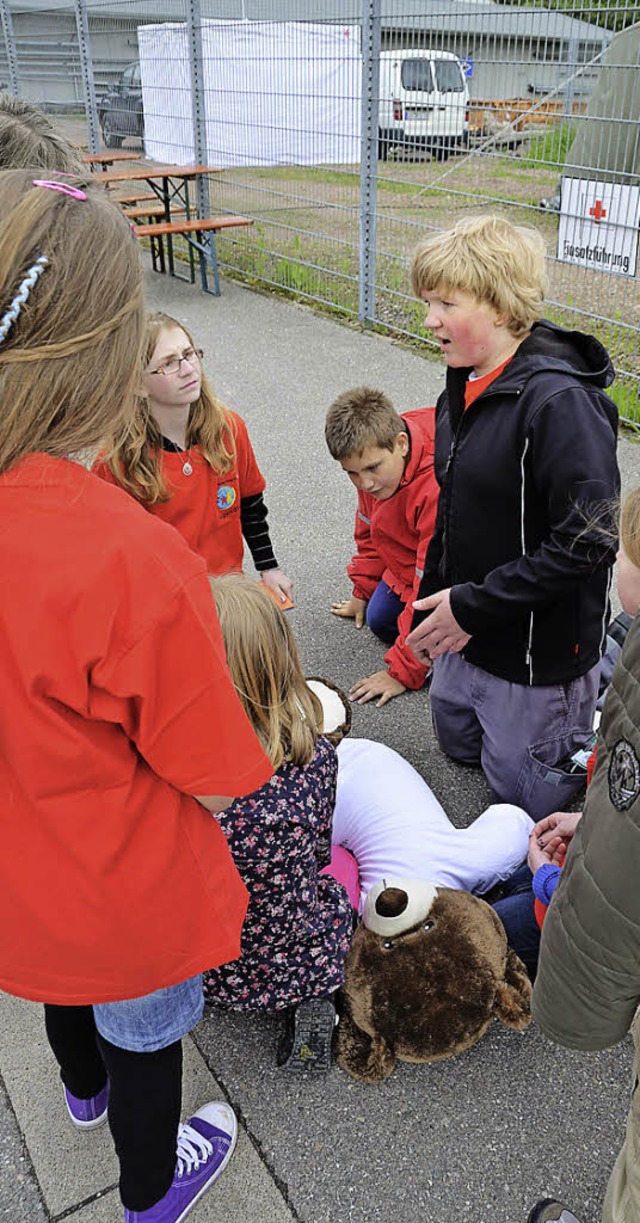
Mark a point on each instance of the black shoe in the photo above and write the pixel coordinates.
(305, 1047)
(551, 1211)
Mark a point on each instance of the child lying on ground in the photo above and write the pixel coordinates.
(299, 921)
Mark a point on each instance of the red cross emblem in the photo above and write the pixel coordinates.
(598, 212)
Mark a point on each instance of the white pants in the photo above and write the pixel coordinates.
(395, 827)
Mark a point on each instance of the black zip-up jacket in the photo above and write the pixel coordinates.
(528, 474)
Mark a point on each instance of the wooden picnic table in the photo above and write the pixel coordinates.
(169, 183)
(107, 159)
(171, 186)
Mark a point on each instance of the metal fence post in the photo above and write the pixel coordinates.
(9, 38)
(369, 158)
(88, 83)
(196, 64)
(570, 87)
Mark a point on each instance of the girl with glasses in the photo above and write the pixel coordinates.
(189, 460)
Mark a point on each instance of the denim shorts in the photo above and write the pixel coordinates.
(154, 1021)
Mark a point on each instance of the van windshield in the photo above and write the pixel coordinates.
(416, 74)
(449, 77)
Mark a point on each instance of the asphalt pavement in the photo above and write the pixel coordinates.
(474, 1139)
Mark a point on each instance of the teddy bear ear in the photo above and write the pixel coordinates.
(395, 905)
(336, 708)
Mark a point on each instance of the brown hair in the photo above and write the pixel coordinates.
(135, 460)
(69, 361)
(360, 418)
(28, 139)
(265, 668)
(630, 526)
(500, 264)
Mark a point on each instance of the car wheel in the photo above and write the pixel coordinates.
(111, 139)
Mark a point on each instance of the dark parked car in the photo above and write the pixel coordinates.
(120, 110)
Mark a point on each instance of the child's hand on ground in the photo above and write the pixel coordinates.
(351, 609)
(279, 583)
(379, 684)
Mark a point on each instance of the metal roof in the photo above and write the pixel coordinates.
(477, 18)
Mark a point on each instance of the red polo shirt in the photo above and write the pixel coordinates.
(205, 506)
(116, 707)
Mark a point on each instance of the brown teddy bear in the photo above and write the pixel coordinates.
(428, 970)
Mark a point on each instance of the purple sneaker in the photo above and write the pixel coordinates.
(205, 1146)
(87, 1114)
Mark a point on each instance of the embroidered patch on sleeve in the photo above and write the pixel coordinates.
(624, 776)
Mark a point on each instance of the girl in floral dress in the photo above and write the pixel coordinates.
(298, 926)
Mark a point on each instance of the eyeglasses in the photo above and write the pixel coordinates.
(174, 364)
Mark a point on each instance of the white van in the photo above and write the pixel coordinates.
(424, 101)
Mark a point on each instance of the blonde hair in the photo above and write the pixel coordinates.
(69, 361)
(29, 139)
(265, 668)
(135, 459)
(500, 264)
(630, 526)
(360, 418)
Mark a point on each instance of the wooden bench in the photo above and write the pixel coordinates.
(152, 212)
(135, 197)
(195, 232)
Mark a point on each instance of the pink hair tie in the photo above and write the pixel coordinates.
(63, 188)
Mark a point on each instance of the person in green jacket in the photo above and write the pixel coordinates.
(587, 991)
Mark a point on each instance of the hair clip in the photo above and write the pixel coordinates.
(63, 188)
(9, 318)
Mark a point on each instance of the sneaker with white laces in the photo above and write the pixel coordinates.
(551, 1211)
(87, 1114)
(205, 1146)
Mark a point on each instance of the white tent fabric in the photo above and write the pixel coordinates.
(276, 93)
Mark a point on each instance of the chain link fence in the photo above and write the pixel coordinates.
(348, 129)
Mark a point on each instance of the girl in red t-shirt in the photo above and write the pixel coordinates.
(116, 886)
(188, 459)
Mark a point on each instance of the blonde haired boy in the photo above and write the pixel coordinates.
(513, 603)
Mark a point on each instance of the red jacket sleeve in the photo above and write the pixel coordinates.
(365, 568)
(400, 659)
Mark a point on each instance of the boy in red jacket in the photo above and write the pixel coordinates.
(389, 459)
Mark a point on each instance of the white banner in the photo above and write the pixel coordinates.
(598, 226)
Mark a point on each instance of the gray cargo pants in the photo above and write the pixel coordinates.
(518, 734)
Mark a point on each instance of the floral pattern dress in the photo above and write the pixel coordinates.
(298, 925)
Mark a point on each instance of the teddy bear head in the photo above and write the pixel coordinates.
(428, 970)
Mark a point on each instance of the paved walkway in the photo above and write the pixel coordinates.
(475, 1139)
